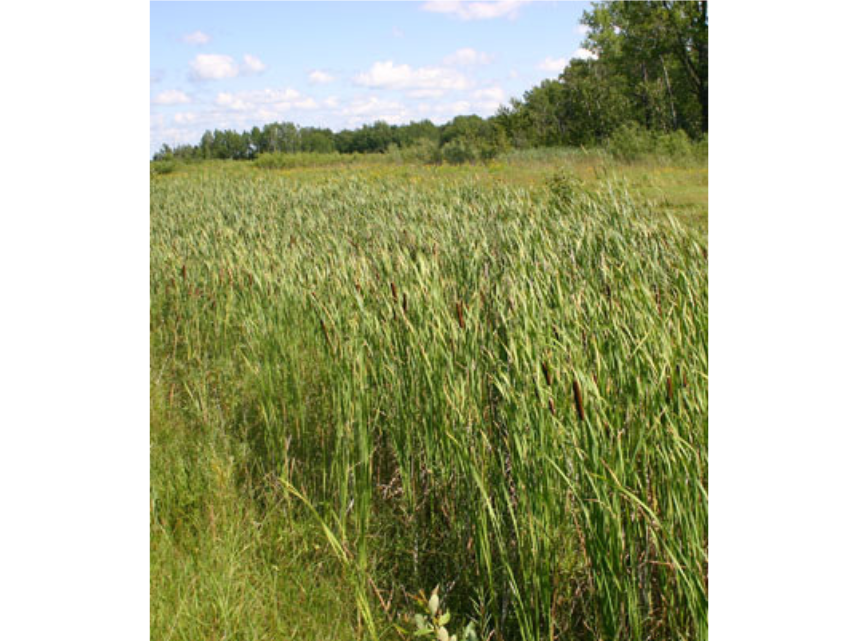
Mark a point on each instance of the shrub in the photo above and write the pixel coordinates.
(160, 167)
(630, 142)
(460, 151)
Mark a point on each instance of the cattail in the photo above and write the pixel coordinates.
(325, 332)
(547, 373)
(393, 292)
(669, 389)
(579, 404)
(184, 271)
(552, 406)
(460, 319)
(405, 304)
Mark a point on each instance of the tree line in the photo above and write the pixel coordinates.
(648, 71)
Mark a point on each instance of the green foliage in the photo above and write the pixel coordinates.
(433, 623)
(281, 160)
(631, 142)
(495, 387)
(160, 167)
(461, 150)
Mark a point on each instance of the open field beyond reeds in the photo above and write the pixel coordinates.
(370, 380)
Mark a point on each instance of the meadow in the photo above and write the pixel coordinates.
(370, 379)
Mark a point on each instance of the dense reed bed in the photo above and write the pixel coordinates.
(499, 390)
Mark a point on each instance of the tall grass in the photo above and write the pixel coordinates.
(495, 389)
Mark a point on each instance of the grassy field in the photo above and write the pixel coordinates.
(374, 379)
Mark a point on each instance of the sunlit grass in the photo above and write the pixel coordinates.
(491, 378)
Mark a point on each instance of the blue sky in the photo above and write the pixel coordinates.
(341, 64)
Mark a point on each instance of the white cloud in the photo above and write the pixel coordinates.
(582, 29)
(426, 93)
(467, 56)
(185, 117)
(213, 66)
(554, 65)
(252, 65)
(281, 99)
(306, 103)
(318, 77)
(371, 106)
(331, 102)
(387, 75)
(196, 38)
(171, 97)
(476, 10)
(491, 94)
(584, 54)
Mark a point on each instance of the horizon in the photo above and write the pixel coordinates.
(340, 65)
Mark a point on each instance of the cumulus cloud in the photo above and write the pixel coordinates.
(492, 94)
(281, 99)
(476, 10)
(554, 65)
(306, 103)
(318, 77)
(185, 117)
(171, 97)
(252, 65)
(582, 29)
(387, 75)
(196, 38)
(214, 66)
(372, 106)
(426, 93)
(584, 54)
(466, 57)
(362, 110)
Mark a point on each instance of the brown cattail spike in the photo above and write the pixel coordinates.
(460, 319)
(547, 373)
(184, 271)
(552, 406)
(669, 389)
(393, 292)
(579, 403)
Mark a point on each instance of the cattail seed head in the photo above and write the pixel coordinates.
(579, 403)
(460, 319)
(547, 373)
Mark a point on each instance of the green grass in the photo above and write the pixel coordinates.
(371, 380)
